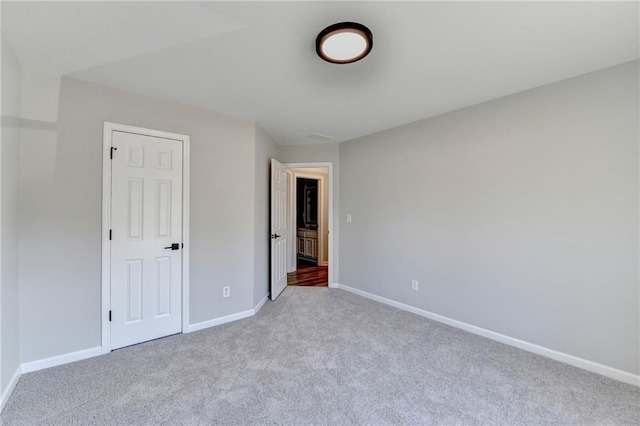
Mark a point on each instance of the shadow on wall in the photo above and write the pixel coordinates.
(43, 194)
(30, 104)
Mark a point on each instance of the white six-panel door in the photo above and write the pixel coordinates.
(146, 219)
(279, 228)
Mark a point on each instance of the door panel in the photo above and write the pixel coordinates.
(134, 208)
(163, 213)
(134, 291)
(163, 266)
(279, 228)
(146, 217)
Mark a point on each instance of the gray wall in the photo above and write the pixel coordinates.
(518, 215)
(266, 149)
(328, 153)
(9, 290)
(60, 211)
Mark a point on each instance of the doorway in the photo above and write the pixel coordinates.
(309, 210)
(145, 235)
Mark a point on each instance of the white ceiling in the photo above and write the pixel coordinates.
(257, 60)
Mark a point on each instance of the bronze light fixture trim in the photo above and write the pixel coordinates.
(344, 43)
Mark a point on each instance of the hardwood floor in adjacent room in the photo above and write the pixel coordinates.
(309, 274)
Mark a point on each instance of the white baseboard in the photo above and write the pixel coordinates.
(229, 318)
(334, 285)
(28, 367)
(614, 373)
(260, 304)
(218, 321)
(10, 387)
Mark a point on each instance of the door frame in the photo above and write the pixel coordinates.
(109, 127)
(322, 225)
(331, 254)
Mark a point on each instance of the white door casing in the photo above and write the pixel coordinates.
(323, 229)
(293, 240)
(147, 273)
(332, 255)
(279, 228)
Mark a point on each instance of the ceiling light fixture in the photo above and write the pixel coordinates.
(344, 43)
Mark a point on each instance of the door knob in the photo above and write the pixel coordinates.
(174, 246)
(274, 236)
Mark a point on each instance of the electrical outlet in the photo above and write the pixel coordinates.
(414, 285)
(348, 218)
(226, 291)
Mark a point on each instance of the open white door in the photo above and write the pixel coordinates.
(146, 242)
(279, 228)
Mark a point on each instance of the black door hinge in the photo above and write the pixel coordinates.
(109, 315)
(110, 234)
(112, 149)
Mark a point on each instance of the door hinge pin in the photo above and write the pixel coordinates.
(109, 315)
(110, 234)
(113, 148)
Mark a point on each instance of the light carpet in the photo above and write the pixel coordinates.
(321, 356)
